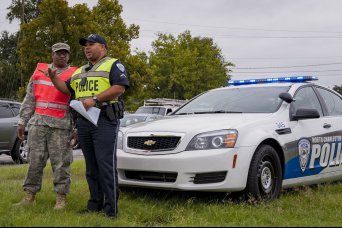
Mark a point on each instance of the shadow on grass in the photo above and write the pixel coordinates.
(188, 196)
(213, 197)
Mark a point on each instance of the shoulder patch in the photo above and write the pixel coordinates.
(121, 67)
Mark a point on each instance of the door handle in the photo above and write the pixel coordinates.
(327, 125)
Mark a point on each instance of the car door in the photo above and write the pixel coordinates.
(8, 126)
(333, 122)
(307, 133)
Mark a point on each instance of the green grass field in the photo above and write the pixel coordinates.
(311, 206)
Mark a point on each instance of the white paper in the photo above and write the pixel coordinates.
(92, 114)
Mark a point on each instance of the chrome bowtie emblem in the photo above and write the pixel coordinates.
(304, 147)
(149, 143)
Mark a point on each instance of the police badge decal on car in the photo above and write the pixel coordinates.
(304, 147)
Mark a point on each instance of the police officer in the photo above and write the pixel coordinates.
(99, 84)
(46, 110)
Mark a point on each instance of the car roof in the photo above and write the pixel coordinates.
(9, 101)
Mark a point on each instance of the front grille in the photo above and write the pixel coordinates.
(153, 143)
(151, 176)
(209, 178)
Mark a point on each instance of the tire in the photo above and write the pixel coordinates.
(265, 175)
(19, 153)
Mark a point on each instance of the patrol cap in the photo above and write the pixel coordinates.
(93, 38)
(60, 46)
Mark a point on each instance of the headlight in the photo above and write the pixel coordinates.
(119, 143)
(213, 140)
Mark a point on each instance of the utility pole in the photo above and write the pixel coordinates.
(22, 21)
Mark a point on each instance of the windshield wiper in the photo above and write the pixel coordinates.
(220, 111)
(206, 112)
(184, 113)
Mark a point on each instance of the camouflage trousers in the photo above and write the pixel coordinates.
(43, 143)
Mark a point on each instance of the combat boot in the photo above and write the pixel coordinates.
(29, 198)
(60, 202)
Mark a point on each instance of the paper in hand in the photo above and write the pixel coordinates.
(92, 114)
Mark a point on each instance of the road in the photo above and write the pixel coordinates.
(7, 160)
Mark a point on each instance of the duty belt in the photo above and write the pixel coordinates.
(101, 105)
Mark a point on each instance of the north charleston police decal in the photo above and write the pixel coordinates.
(304, 147)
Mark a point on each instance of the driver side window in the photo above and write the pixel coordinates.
(332, 101)
(306, 98)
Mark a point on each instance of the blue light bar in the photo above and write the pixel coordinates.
(272, 80)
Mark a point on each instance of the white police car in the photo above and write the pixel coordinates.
(256, 137)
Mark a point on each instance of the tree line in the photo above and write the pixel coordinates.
(178, 67)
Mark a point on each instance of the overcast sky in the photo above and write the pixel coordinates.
(263, 38)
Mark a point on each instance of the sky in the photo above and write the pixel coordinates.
(262, 38)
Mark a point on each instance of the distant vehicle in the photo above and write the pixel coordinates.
(10, 144)
(131, 119)
(160, 106)
(154, 110)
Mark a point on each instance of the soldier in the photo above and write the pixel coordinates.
(46, 111)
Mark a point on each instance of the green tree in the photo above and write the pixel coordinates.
(30, 9)
(58, 22)
(186, 66)
(9, 77)
(338, 89)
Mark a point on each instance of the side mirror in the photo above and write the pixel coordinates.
(286, 97)
(304, 113)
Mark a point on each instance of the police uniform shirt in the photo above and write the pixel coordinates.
(117, 76)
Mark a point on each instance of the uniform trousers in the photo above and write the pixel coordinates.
(45, 142)
(98, 144)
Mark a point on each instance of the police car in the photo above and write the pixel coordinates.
(254, 136)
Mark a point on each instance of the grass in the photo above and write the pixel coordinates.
(310, 206)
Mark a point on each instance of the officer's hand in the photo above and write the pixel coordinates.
(51, 73)
(88, 103)
(21, 131)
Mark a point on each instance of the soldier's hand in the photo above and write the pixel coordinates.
(88, 103)
(73, 138)
(21, 131)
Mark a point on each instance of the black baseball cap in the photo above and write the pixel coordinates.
(93, 38)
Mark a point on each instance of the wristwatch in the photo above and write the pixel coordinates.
(95, 99)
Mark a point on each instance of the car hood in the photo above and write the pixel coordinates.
(193, 123)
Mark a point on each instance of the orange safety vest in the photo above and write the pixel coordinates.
(49, 100)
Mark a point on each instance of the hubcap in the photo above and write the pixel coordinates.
(23, 149)
(266, 178)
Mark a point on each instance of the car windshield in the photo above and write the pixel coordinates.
(236, 100)
(129, 120)
(151, 110)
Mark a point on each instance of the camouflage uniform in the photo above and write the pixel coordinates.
(48, 137)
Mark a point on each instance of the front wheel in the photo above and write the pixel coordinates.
(19, 153)
(265, 175)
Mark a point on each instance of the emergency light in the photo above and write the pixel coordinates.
(272, 80)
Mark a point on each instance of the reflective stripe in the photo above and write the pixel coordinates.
(42, 82)
(46, 105)
(103, 74)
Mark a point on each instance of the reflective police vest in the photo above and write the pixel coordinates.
(49, 100)
(93, 82)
